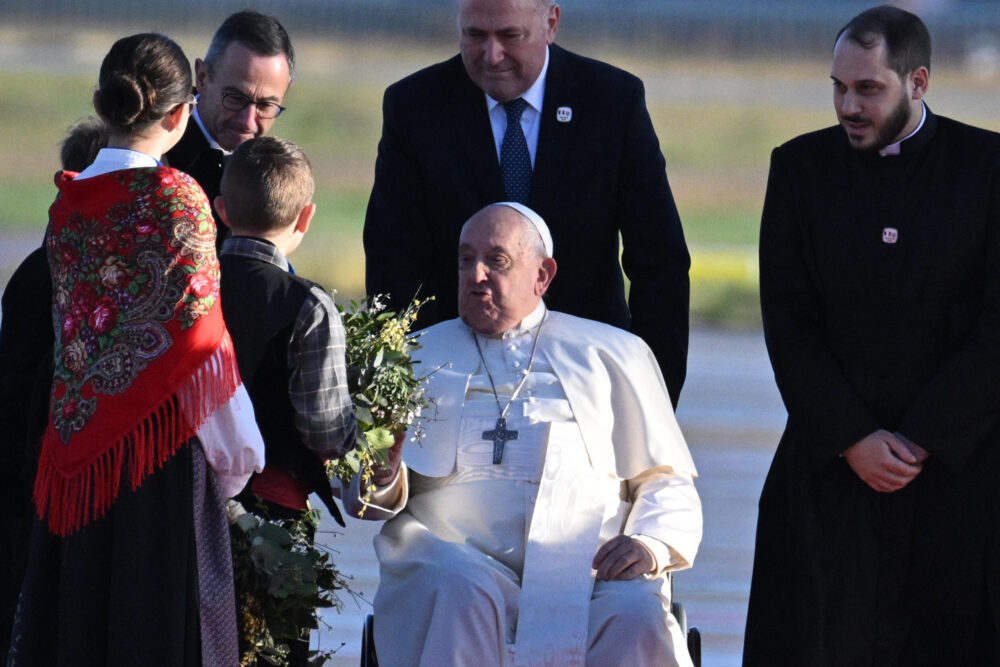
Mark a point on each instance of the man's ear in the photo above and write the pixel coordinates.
(220, 208)
(921, 80)
(200, 74)
(552, 23)
(546, 272)
(305, 217)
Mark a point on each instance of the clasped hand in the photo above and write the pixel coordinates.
(885, 461)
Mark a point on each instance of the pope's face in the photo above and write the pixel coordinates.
(503, 43)
(240, 74)
(874, 105)
(501, 276)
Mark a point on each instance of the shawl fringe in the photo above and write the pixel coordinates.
(68, 503)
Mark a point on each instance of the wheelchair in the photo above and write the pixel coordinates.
(693, 635)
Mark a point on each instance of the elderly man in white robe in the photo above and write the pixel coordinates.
(550, 490)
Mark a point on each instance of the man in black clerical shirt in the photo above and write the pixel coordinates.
(877, 540)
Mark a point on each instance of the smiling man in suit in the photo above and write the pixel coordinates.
(516, 117)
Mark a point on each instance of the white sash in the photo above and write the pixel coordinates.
(556, 587)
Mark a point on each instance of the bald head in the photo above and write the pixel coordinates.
(503, 269)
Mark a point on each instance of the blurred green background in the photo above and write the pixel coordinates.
(717, 117)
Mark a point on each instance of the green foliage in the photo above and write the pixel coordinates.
(385, 387)
(281, 578)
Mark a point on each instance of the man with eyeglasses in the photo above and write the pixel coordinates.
(241, 84)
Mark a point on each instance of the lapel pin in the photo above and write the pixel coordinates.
(890, 235)
(564, 114)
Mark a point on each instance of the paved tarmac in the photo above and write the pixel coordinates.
(732, 416)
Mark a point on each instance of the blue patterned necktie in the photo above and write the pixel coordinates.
(515, 161)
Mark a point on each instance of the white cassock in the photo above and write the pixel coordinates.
(490, 564)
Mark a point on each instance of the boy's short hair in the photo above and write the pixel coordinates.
(266, 183)
(83, 141)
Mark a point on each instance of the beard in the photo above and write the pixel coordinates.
(894, 124)
(891, 128)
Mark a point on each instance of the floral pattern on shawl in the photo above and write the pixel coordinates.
(118, 279)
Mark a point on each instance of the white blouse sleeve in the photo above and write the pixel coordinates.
(232, 443)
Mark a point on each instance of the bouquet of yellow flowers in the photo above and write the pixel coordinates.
(386, 389)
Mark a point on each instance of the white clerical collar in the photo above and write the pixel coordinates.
(208, 137)
(116, 159)
(535, 95)
(894, 149)
(528, 323)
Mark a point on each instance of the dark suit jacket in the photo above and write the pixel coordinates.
(594, 177)
(863, 335)
(194, 156)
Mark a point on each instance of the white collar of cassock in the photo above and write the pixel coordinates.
(893, 149)
(524, 326)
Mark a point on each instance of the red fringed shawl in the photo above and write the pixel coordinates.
(142, 356)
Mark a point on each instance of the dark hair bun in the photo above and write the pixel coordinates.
(122, 101)
(142, 78)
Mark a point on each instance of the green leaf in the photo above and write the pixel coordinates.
(275, 533)
(380, 438)
(352, 460)
(362, 414)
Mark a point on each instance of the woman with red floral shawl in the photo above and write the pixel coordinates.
(149, 427)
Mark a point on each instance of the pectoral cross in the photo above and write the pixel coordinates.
(500, 435)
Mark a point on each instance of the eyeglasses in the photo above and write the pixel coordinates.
(239, 102)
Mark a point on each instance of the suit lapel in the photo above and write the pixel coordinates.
(471, 124)
(555, 139)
